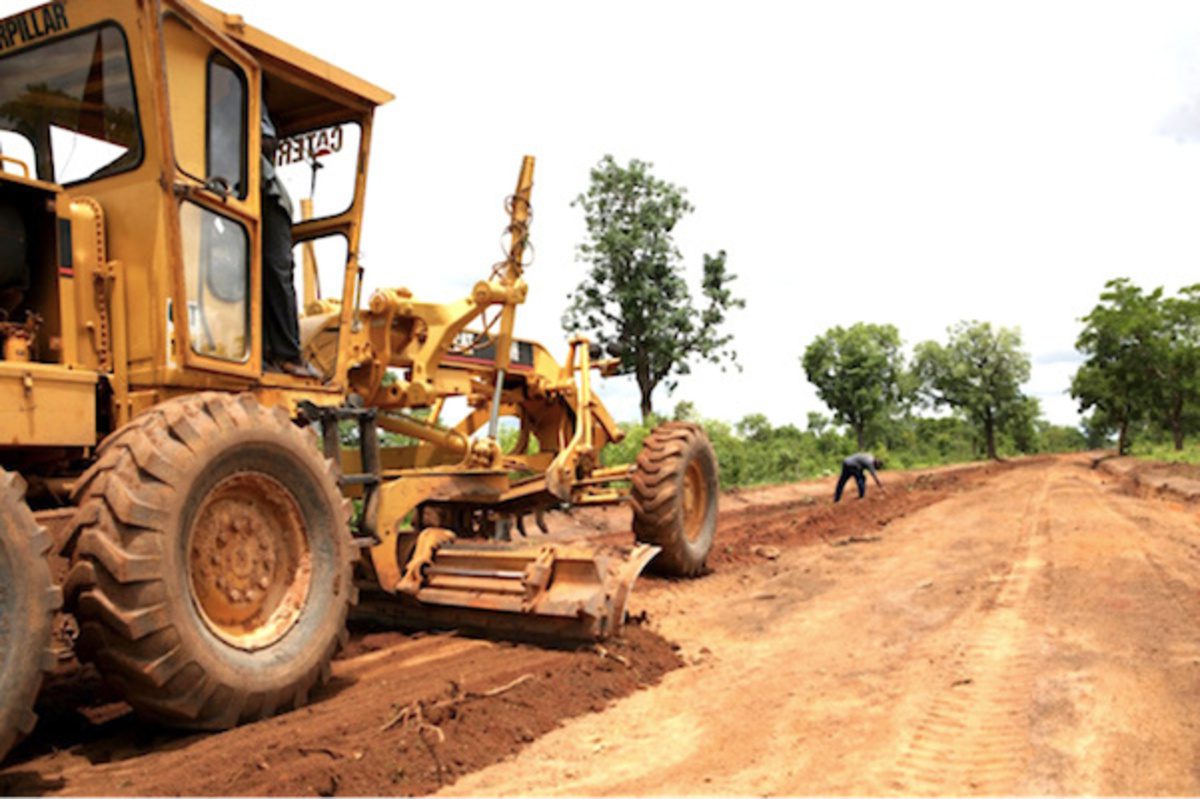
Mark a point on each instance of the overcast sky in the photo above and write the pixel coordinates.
(911, 163)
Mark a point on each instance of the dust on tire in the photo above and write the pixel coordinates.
(132, 584)
(28, 600)
(674, 497)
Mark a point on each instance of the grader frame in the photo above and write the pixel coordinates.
(211, 557)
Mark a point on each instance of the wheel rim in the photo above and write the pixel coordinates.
(695, 500)
(249, 562)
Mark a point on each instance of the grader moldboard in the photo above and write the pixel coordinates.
(203, 502)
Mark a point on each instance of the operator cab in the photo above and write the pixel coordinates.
(131, 207)
(321, 118)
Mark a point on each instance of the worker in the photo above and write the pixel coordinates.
(281, 322)
(855, 466)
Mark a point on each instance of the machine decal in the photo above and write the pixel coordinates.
(32, 25)
(307, 146)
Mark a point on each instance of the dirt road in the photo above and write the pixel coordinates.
(1036, 635)
(1028, 628)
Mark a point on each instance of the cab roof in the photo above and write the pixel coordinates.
(278, 57)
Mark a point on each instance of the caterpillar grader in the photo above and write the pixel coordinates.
(218, 518)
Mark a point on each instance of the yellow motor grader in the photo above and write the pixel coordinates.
(218, 517)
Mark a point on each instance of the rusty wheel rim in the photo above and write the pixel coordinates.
(249, 562)
(695, 500)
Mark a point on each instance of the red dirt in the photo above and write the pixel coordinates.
(90, 743)
(339, 744)
(808, 520)
(1177, 481)
(1034, 633)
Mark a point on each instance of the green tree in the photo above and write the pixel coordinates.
(859, 373)
(634, 300)
(1123, 349)
(1022, 425)
(978, 373)
(685, 411)
(1059, 437)
(1178, 364)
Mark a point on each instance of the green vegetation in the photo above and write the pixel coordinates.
(755, 452)
(634, 301)
(1141, 371)
(979, 375)
(1165, 451)
(859, 374)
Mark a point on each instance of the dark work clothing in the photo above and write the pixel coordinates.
(847, 473)
(856, 466)
(281, 322)
(281, 327)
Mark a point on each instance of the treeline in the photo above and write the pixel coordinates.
(975, 376)
(1140, 377)
(752, 451)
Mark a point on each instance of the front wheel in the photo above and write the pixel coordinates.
(211, 574)
(28, 599)
(675, 497)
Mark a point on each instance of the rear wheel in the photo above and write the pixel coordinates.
(211, 574)
(675, 497)
(28, 600)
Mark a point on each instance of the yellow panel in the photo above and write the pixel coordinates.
(187, 73)
(46, 405)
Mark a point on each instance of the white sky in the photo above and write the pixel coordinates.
(915, 163)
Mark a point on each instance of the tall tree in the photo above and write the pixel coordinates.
(978, 373)
(1122, 344)
(859, 373)
(634, 300)
(1178, 363)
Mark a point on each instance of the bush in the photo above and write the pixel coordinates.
(753, 452)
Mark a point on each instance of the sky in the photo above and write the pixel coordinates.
(915, 163)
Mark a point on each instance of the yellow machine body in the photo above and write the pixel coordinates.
(145, 285)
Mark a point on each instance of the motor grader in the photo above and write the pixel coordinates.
(218, 517)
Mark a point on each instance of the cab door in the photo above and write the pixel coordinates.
(212, 96)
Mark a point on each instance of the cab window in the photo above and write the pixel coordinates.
(323, 261)
(226, 125)
(209, 100)
(69, 106)
(216, 259)
(319, 169)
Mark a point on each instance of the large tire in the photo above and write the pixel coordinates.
(211, 572)
(675, 497)
(28, 599)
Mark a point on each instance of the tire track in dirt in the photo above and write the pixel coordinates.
(794, 653)
(1176, 575)
(1120, 672)
(1169, 575)
(976, 734)
(92, 745)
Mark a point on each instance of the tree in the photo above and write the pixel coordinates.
(1122, 344)
(1022, 425)
(685, 411)
(858, 372)
(634, 300)
(978, 373)
(1178, 363)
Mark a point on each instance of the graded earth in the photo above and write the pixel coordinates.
(1016, 628)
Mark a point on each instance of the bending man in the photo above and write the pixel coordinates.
(856, 466)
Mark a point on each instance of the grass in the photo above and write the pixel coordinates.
(1165, 452)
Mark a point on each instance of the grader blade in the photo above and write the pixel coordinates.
(557, 589)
